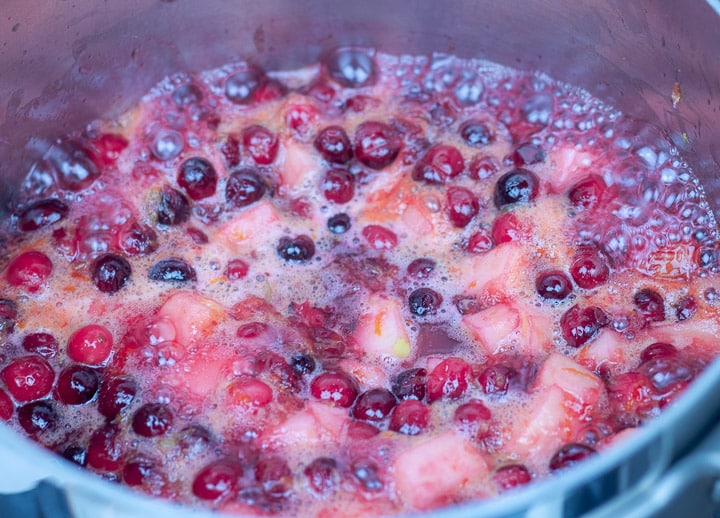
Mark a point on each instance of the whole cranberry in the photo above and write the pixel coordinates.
(650, 304)
(322, 474)
(110, 272)
(409, 417)
(90, 345)
(38, 417)
(379, 237)
(29, 271)
(105, 451)
(43, 344)
(198, 177)
(334, 388)
(76, 385)
(589, 269)
(438, 165)
(424, 301)
(299, 249)
(244, 188)
(580, 325)
(516, 186)
(553, 284)
(41, 214)
(217, 481)
(338, 186)
(377, 145)
(240, 87)
(477, 133)
(173, 208)
(461, 206)
(115, 395)
(410, 384)
(569, 455)
(373, 405)
(28, 378)
(511, 476)
(448, 380)
(152, 419)
(334, 145)
(261, 144)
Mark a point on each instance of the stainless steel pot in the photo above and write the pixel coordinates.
(63, 64)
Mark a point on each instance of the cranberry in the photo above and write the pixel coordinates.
(322, 474)
(510, 476)
(685, 308)
(658, 350)
(76, 385)
(377, 145)
(462, 206)
(76, 455)
(173, 207)
(244, 188)
(421, 268)
(172, 270)
(104, 450)
(580, 325)
(303, 364)
(41, 214)
(496, 379)
(569, 455)
(338, 186)
(250, 391)
(240, 87)
(116, 394)
(43, 344)
(111, 272)
(476, 133)
(143, 472)
(410, 384)
(482, 167)
(37, 417)
(270, 90)
(274, 476)
(526, 154)
(28, 378)
(138, 239)
(664, 369)
(187, 95)
(6, 406)
(339, 223)
(194, 439)
(217, 481)
(108, 147)
(8, 314)
(424, 301)
(472, 413)
(335, 388)
(517, 186)
(507, 228)
(198, 177)
(90, 345)
(361, 430)
(152, 419)
(479, 242)
(74, 164)
(261, 143)
(379, 237)
(587, 193)
(236, 269)
(438, 165)
(366, 472)
(409, 417)
(650, 305)
(553, 284)
(334, 145)
(589, 269)
(448, 380)
(230, 150)
(299, 249)
(373, 405)
(251, 330)
(29, 271)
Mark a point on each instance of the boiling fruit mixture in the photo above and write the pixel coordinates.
(375, 285)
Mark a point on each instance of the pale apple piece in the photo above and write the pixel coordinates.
(608, 348)
(566, 166)
(194, 316)
(574, 379)
(495, 273)
(366, 373)
(381, 332)
(700, 334)
(545, 427)
(250, 227)
(301, 165)
(310, 427)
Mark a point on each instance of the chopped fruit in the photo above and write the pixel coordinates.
(511, 476)
(377, 145)
(553, 285)
(261, 143)
(111, 272)
(381, 332)
(438, 165)
(198, 177)
(334, 145)
(193, 316)
(248, 391)
(244, 188)
(334, 388)
(449, 380)
(580, 325)
(517, 186)
(462, 206)
(299, 249)
(90, 345)
(28, 378)
(576, 381)
(29, 271)
(589, 269)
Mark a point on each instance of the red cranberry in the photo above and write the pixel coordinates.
(6, 406)
(482, 167)
(240, 87)
(250, 391)
(37, 417)
(409, 417)
(143, 472)
(187, 95)
(510, 476)
(74, 164)
(379, 237)
(217, 481)
(230, 150)
(244, 188)
(424, 301)
(526, 154)
(108, 147)
(685, 308)
(43, 344)
(322, 474)
(138, 239)
(251, 330)
(274, 476)
(650, 305)
(299, 249)
(580, 325)
(338, 186)
(476, 133)
(173, 207)
(335, 388)
(351, 68)
(569, 455)
(270, 90)
(462, 206)
(658, 350)
(334, 145)
(421, 268)
(507, 228)
(28, 378)
(75, 454)
(152, 419)
(339, 223)
(479, 242)
(410, 384)
(377, 145)
(111, 272)
(589, 269)
(373, 405)
(496, 379)
(41, 214)
(90, 345)
(473, 417)
(29, 271)
(667, 374)
(172, 270)
(198, 177)
(517, 186)
(553, 284)
(448, 380)
(104, 451)
(587, 193)
(438, 165)
(197, 236)
(76, 385)
(116, 394)
(261, 143)
(194, 439)
(236, 269)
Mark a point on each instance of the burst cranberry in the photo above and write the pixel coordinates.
(373, 405)
(251, 330)
(244, 188)
(589, 269)
(379, 237)
(322, 475)
(377, 145)
(580, 325)
(507, 228)
(339, 223)
(42, 213)
(173, 208)
(152, 419)
(334, 145)
(108, 147)
(240, 87)
(351, 68)
(438, 165)
(587, 193)
(116, 394)
(473, 417)
(187, 95)
(143, 472)
(409, 417)
(496, 379)
(462, 206)
(526, 154)
(424, 301)
(482, 167)
(43, 344)
(104, 450)
(91, 345)
(299, 249)
(138, 239)
(476, 133)
(326, 343)
(658, 350)
(29, 271)
(448, 380)
(303, 364)
(76, 385)
(513, 475)
(410, 384)
(194, 439)
(274, 476)
(421, 268)
(249, 391)
(111, 272)
(6, 406)
(685, 308)
(334, 388)
(569, 455)
(553, 285)
(650, 305)
(37, 417)
(517, 186)
(172, 270)
(217, 481)
(236, 269)
(261, 143)
(28, 378)
(197, 236)
(198, 177)
(479, 242)
(338, 186)
(8, 315)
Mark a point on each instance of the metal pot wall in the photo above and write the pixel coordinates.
(63, 64)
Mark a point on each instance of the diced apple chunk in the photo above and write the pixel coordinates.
(495, 272)
(250, 226)
(381, 332)
(570, 166)
(544, 428)
(300, 166)
(194, 316)
(574, 379)
(609, 348)
(312, 426)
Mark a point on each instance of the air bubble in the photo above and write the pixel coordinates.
(648, 155)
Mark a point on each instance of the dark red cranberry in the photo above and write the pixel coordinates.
(111, 272)
(421, 268)
(373, 405)
(650, 304)
(334, 388)
(339, 223)
(115, 395)
(366, 473)
(236, 269)
(507, 228)
(230, 150)
(6, 406)
(580, 325)
(8, 315)
(338, 186)
(251, 330)
(194, 439)
(28, 378)
(351, 67)
(261, 143)
(37, 417)
(482, 167)
(198, 177)
(553, 284)
(496, 379)
(41, 214)
(658, 350)
(667, 373)
(424, 301)
(326, 343)
(587, 193)
(410, 384)
(244, 188)
(322, 475)
(152, 419)
(138, 239)
(409, 417)
(473, 417)
(75, 454)
(104, 451)
(240, 87)
(303, 364)
(281, 374)
(90, 344)
(589, 269)
(187, 95)
(476, 133)
(569, 455)
(377, 145)
(143, 472)
(29, 271)
(510, 476)
(707, 257)
(274, 476)
(479, 242)
(173, 207)
(462, 206)
(517, 186)
(270, 90)
(299, 249)
(76, 385)
(172, 270)
(526, 154)
(685, 308)
(75, 165)
(217, 481)
(438, 165)
(334, 145)
(379, 237)
(197, 236)
(448, 380)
